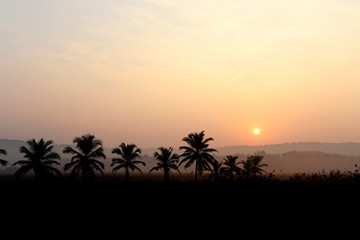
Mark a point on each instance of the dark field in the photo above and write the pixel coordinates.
(105, 206)
(108, 194)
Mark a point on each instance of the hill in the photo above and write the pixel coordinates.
(348, 148)
(306, 161)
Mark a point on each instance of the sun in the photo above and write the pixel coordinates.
(256, 131)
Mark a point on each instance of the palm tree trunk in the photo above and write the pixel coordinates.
(166, 176)
(196, 169)
(36, 176)
(126, 174)
(84, 174)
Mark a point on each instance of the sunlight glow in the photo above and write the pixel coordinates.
(152, 71)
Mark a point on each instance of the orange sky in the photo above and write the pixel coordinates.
(150, 72)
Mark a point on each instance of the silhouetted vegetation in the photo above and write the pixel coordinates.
(167, 160)
(2, 161)
(231, 167)
(40, 159)
(253, 166)
(248, 173)
(216, 171)
(84, 162)
(197, 151)
(237, 185)
(128, 154)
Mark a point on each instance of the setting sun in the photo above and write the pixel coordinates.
(256, 131)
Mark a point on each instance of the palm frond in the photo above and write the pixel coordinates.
(139, 162)
(157, 168)
(71, 164)
(173, 166)
(98, 153)
(208, 150)
(3, 152)
(187, 158)
(189, 163)
(263, 165)
(50, 162)
(137, 168)
(186, 148)
(52, 155)
(157, 155)
(101, 164)
(22, 162)
(22, 170)
(32, 144)
(46, 146)
(115, 169)
(208, 139)
(117, 161)
(118, 151)
(70, 150)
(98, 168)
(25, 150)
(54, 170)
(97, 142)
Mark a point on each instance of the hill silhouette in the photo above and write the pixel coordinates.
(346, 148)
(306, 161)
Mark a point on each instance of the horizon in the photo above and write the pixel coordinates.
(176, 147)
(150, 72)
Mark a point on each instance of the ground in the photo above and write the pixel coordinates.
(179, 205)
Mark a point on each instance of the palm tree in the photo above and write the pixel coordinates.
(247, 169)
(252, 165)
(216, 170)
(257, 167)
(197, 151)
(128, 153)
(231, 166)
(40, 159)
(85, 160)
(3, 162)
(166, 161)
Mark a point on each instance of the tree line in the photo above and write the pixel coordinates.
(88, 154)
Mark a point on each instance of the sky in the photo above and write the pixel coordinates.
(150, 72)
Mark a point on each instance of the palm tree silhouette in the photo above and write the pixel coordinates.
(252, 165)
(247, 168)
(216, 170)
(84, 162)
(40, 159)
(166, 161)
(198, 151)
(3, 162)
(128, 153)
(257, 167)
(231, 166)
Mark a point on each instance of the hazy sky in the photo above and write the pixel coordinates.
(151, 71)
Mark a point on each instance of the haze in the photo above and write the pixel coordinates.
(150, 72)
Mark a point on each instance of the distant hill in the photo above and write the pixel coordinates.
(348, 149)
(306, 161)
(285, 158)
(301, 156)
